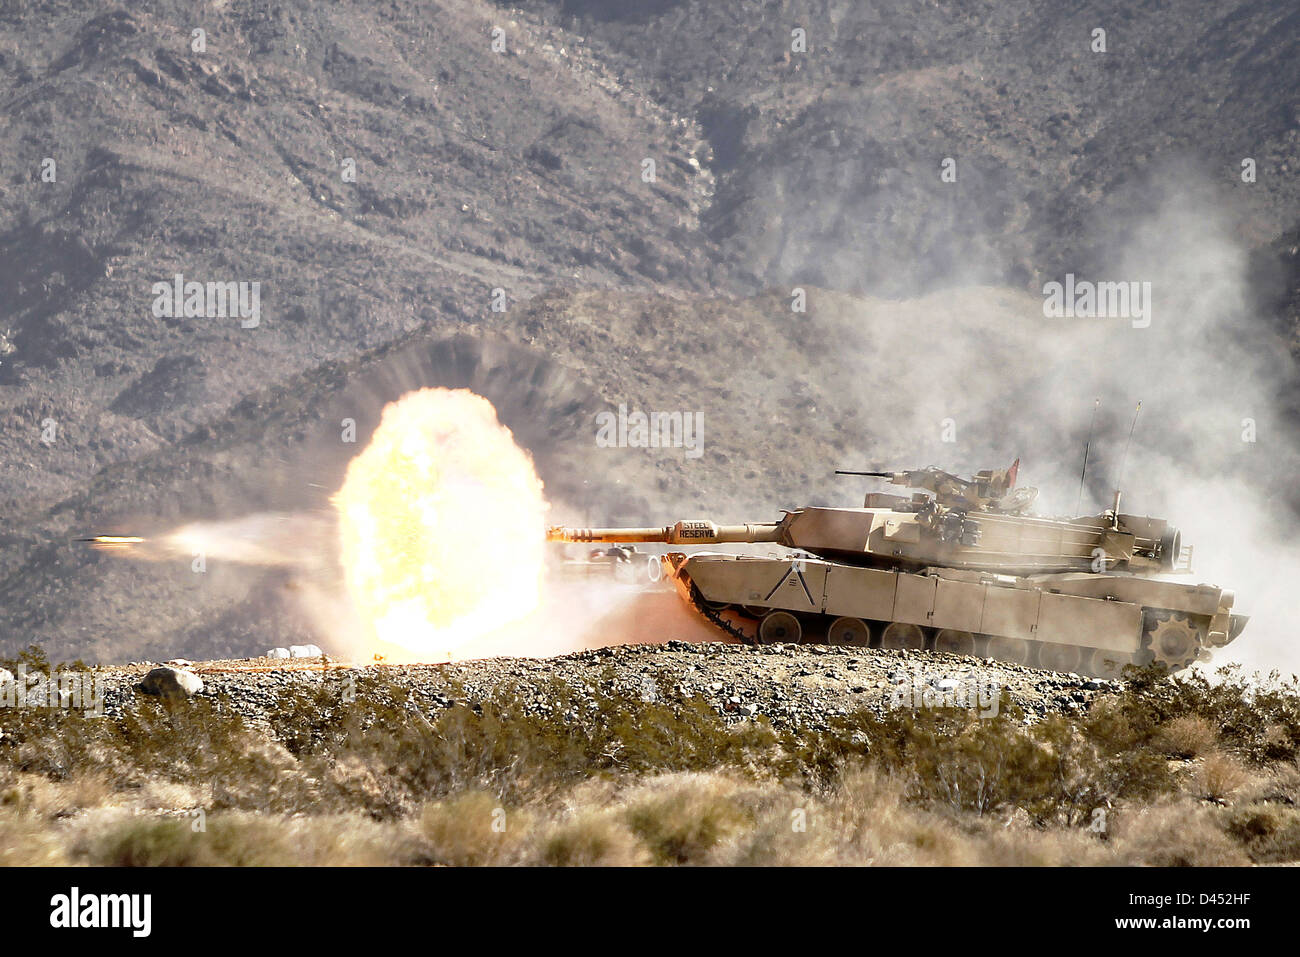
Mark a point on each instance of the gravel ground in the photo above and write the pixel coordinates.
(793, 686)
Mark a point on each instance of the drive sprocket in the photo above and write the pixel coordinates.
(1172, 639)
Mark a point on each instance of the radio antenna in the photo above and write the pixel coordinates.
(1086, 445)
(1124, 461)
(1127, 444)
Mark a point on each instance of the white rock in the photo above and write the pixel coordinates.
(304, 651)
(278, 653)
(6, 676)
(171, 683)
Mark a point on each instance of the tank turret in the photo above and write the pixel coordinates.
(963, 524)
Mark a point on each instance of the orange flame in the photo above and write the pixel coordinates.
(441, 526)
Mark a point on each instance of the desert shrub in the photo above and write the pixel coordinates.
(781, 823)
(510, 746)
(1067, 776)
(1175, 833)
(243, 839)
(35, 658)
(1057, 769)
(1257, 717)
(151, 843)
(1274, 783)
(971, 764)
(471, 829)
(944, 752)
(872, 821)
(1187, 736)
(682, 818)
(590, 838)
(772, 842)
(1269, 833)
(345, 840)
(57, 743)
(236, 839)
(199, 742)
(1124, 768)
(1219, 776)
(43, 798)
(203, 742)
(28, 842)
(1035, 847)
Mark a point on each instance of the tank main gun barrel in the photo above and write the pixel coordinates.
(681, 533)
(875, 474)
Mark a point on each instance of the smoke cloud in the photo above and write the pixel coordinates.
(1210, 451)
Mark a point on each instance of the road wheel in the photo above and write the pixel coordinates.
(849, 631)
(1015, 650)
(955, 642)
(754, 611)
(902, 637)
(1056, 657)
(780, 627)
(1103, 664)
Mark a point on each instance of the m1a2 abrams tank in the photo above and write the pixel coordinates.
(957, 566)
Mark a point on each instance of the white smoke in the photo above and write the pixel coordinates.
(1010, 382)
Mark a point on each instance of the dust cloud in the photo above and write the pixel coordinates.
(1211, 450)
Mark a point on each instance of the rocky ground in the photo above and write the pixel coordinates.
(794, 686)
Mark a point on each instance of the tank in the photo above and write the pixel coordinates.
(959, 565)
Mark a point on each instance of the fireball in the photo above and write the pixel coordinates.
(441, 526)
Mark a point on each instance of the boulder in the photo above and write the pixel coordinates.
(171, 683)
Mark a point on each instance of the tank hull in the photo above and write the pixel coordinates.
(1086, 623)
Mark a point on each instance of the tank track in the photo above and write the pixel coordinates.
(715, 617)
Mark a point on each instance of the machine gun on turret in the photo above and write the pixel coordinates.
(990, 490)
